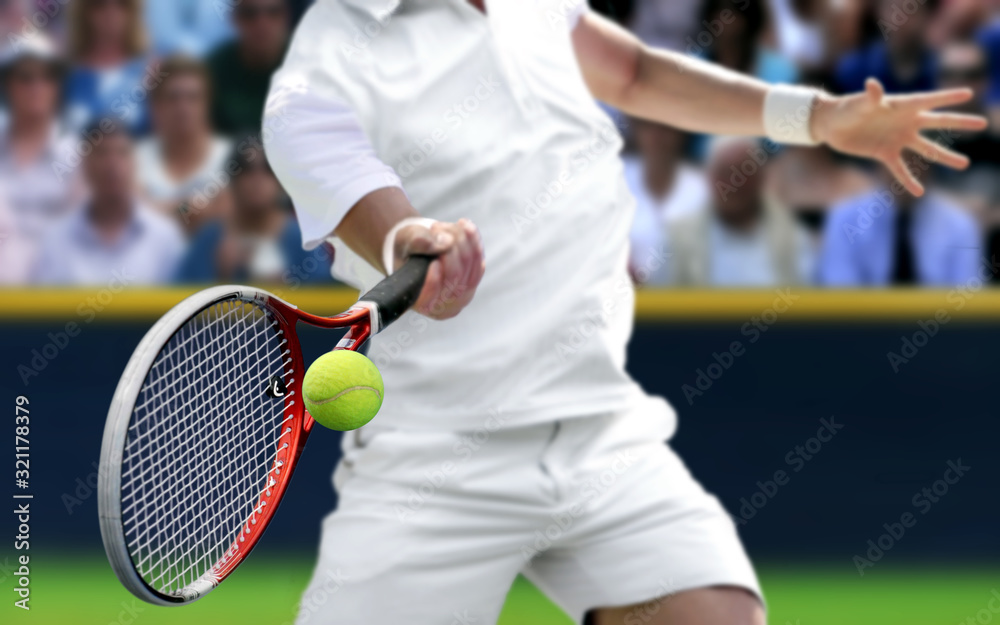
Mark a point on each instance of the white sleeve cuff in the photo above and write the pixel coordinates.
(787, 113)
(578, 11)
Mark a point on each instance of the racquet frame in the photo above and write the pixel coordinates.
(378, 308)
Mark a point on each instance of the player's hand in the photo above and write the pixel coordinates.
(453, 278)
(873, 125)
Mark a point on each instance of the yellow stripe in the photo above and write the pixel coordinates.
(652, 305)
(817, 305)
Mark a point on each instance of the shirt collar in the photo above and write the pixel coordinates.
(375, 8)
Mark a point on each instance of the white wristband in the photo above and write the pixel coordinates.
(787, 112)
(389, 247)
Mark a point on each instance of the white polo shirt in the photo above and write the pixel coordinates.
(478, 116)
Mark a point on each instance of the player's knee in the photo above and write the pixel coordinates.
(708, 606)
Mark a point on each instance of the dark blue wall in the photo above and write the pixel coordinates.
(899, 431)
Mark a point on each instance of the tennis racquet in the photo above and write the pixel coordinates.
(206, 427)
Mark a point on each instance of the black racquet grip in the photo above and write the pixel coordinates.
(398, 292)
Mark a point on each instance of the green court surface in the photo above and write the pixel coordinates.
(83, 591)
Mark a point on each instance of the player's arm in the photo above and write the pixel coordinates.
(697, 96)
(451, 281)
(340, 188)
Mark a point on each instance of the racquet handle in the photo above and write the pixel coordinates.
(394, 295)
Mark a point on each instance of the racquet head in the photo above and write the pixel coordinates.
(205, 429)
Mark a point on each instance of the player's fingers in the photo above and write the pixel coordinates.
(451, 276)
(475, 262)
(902, 172)
(935, 100)
(936, 153)
(464, 250)
(429, 294)
(952, 121)
(443, 239)
(420, 240)
(875, 90)
(479, 265)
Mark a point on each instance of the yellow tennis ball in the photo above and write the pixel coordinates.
(343, 390)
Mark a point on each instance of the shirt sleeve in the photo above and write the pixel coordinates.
(836, 267)
(576, 13)
(321, 155)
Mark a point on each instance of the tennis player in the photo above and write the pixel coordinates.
(511, 439)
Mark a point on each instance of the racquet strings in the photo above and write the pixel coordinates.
(201, 443)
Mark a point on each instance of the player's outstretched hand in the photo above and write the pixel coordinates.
(453, 278)
(874, 125)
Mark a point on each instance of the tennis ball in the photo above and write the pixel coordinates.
(343, 390)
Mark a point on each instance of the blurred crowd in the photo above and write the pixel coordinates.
(130, 147)
(734, 212)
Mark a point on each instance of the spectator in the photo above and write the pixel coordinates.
(183, 166)
(192, 27)
(888, 237)
(669, 24)
(737, 33)
(12, 16)
(241, 70)
(15, 255)
(35, 192)
(664, 185)
(108, 45)
(799, 30)
(740, 238)
(989, 38)
(114, 237)
(964, 64)
(900, 58)
(259, 241)
(811, 180)
(959, 20)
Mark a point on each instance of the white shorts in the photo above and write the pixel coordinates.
(432, 528)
